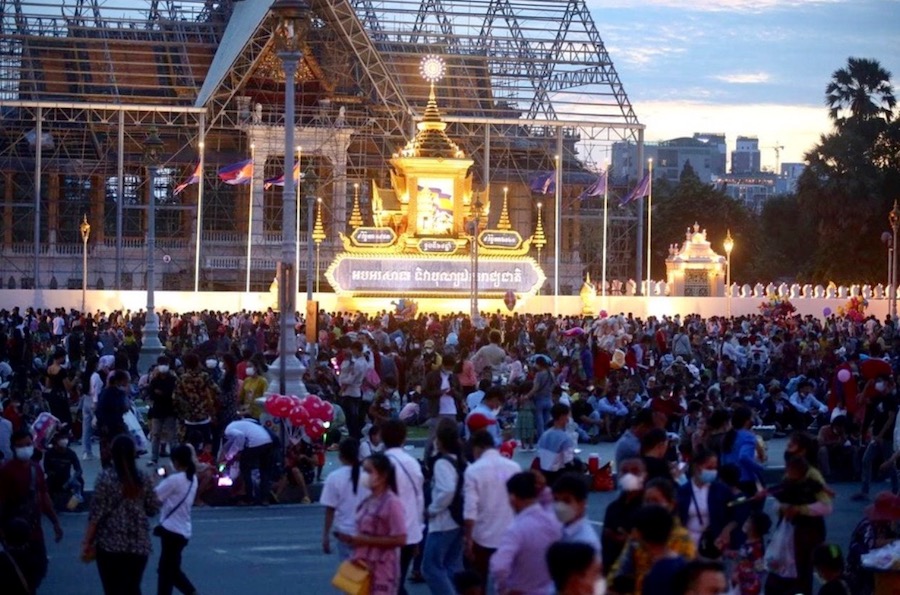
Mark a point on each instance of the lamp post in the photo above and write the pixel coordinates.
(477, 216)
(85, 228)
(290, 35)
(318, 236)
(729, 246)
(151, 348)
(309, 185)
(894, 218)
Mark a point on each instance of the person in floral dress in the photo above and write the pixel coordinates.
(381, 526)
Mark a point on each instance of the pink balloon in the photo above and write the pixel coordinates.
(327, 412)
(315, 429)
(298, 417)
(843, 375)
(311, 402)
(270, 405)
(283, 405)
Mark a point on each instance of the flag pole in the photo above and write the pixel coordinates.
(557, 233)
(250, 218)
(202, 144)
(297, 246)
(605, 227)
(649, 220)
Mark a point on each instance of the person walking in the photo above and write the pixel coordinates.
(112, 405)
(443, 556)
(342, 493)
(486, 508)
(194, 398)
(118, 531)
(353, 371)
(381, 526)
(177, 493)
(162, 408)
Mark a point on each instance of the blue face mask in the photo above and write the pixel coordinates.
(708, 476)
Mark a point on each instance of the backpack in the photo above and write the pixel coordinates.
(456, 505)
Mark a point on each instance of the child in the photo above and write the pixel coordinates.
(796, 489)
(829, 564)
(525, 423)
(750, 567)
(371, 443)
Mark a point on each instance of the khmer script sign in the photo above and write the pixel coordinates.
(373, 236)
(439, 246)
(433, 276)
(509, 240)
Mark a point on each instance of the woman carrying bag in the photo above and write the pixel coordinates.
(118, 531)
(177, 493)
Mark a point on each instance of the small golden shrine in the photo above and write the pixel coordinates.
(423, 226)
(694, 269)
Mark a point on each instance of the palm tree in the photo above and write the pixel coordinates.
(864, 88)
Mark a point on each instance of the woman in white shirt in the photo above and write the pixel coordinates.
(177, 493)
(341, 495)
(444, 545)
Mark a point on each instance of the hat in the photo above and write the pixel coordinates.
(774, 384)
(106, 362)
(730, 380)
(886, 507)
(429, 344)
(479, 421)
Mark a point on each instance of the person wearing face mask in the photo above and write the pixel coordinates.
(63, 471)
(212, 368)
(879, 421)
(519, 564)
(619, 517)
(194, 398)
(703, 506)
(575, 569)
(23, 499)
(739, 448)
(253, 387)
(162, 409)
(570, 493)
(112, 404)
(484, 415)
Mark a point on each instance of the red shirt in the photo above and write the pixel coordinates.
(15, 486)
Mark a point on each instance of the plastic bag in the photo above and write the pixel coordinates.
(780, 557)
(137, 432)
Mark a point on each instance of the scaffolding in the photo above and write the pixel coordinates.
(81, 83)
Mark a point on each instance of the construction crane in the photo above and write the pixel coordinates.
(778, 148)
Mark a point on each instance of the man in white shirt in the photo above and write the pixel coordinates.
(473, 399)
(253, 443)
(353, 371)
(410, 489)
(806, 404)
(486, 507)
(570, 493)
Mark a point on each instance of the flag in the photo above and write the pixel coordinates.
(237, 173)
(194, 179)
(639, 191)
(279, 180)
(544, 183)
(598, 188)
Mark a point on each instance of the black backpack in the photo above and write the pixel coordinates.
(456, 505)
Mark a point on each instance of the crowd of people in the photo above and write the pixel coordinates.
(689, 402)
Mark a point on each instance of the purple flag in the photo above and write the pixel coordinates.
(544, 183)
(598, 188)
(639, 191)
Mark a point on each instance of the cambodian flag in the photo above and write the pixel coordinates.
(279, 180)
(193, 179)
(544, 183)
(639, 191)
(237, 173)
(598, 188)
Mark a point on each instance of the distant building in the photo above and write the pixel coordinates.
(745, 159)
(751, 190)
(790, 175)
(705, 153)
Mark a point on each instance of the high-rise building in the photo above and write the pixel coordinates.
(745, 159)
(716, 140)
(705, 153)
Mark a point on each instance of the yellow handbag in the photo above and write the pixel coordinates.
(352, 578)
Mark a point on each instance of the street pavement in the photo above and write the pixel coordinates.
(277, 550)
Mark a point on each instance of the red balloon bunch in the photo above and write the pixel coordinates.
(310, 414)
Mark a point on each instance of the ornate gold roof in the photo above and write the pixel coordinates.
(431, 140)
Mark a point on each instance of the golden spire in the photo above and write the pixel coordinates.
(319, 230)
(539, 240)
(504, 212)
(356, 219)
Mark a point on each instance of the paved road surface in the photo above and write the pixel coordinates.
(276, 550)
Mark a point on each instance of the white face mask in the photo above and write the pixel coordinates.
(880, 386)
(251, 371)
(564, 512)
(222, 366)
(162, 369)
(365, 480)
(64, 443)
(629, 482)
(211, 363)
(600, 586)
(24, 453)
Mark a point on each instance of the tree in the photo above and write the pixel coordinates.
(863, 88)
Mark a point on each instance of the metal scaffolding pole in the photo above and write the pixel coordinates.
(199, 240)
(639, 257)
(120, 196)
(38, 130)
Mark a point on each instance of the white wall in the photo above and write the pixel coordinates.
(184, 301)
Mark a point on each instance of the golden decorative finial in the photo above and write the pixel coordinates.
(356, 219)
(319, 230)
(539, 240)
(504, 212)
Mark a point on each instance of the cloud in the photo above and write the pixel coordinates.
(797, 127)
(744, 78)
(753, 6)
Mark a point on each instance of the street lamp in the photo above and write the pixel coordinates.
(85, 228)
(729, 246)
(151, 348)
(894, 218)
(290, 35)
(309, 185)
(476, 208)
(318, 236)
